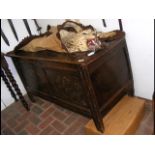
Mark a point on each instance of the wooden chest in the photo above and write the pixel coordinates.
(90, 85)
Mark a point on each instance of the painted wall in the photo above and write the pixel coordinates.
(140, 40)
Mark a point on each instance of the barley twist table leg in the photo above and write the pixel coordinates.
(8, 85)
(14, 84)
(9, 75)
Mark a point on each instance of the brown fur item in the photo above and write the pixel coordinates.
(39, 43)
(69, 37)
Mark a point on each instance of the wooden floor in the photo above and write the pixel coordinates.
(46, 118)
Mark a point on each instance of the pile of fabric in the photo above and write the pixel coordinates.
(69, 37)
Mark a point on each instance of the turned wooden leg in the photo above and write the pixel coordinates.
(11, 79)
(14, 84)
(8, 85)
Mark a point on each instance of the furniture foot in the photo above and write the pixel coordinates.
(31, 97)
(131, 92)
(27, 106)
(99, 125)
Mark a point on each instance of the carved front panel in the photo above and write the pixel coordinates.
(28, 74)
(66, 86)
(34, 77)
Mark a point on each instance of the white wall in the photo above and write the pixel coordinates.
(97, 23)
(140, 40)
(6, 98)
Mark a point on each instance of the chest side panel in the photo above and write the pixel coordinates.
(110, 74)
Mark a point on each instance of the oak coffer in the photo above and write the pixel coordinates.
(85, 83)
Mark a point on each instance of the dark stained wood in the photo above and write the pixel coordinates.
(92, 100)
(11, 82)
(91, 86)
(7, 83)
(120, 24)
(104, 23)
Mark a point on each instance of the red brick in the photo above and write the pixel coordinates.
(5, 115)
(39, 101)
(45, 123)
(21, 108)
(10, 109)
(24, 116)
(7, 131)
(3, 125)
(55, 132)
(28, 122)
(16, 116)
(47, 130)
(48, 112)
(36, 110)
(68, 112)
(21, 126)
(75, 126)
(71, 118)
(61, 109)
(12, 123)
(12, 112)
(80, 131)
(32, 129)
(59, 115)
(34, 119)
(16, 105)
(23, 132)
(59, 126)
(46, 105)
